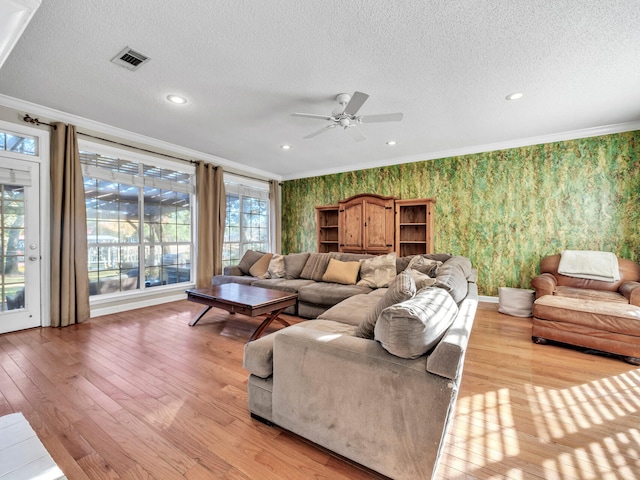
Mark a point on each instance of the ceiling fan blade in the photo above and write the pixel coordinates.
(312, 115)
(355, 133)
(318, 132)
(384, 117)
(357, 100)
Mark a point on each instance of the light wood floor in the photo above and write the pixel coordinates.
(140, 395)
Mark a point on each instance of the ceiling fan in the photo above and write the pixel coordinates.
(345, 116)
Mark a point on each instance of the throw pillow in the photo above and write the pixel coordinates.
(259, 269)
(378, 272)
(403, 262)
(293, 264)
(422, 279)
(248, 259)
(412, 328)
(452, 276)
(276, 267)
(402, 288)
(424, 265)
(341, 272)
(316, 266)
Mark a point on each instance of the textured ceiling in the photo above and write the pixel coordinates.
(245, 66)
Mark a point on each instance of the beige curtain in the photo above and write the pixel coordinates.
(69, 270)
(211, 217)
(276, 226)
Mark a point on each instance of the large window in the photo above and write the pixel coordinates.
(139, 218)
(247, 220)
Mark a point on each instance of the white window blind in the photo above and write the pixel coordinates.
(12, 176)
(247, 191)
(137, 180)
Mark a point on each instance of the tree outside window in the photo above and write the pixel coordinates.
(247, 222)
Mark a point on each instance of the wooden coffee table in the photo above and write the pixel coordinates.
(244, 299)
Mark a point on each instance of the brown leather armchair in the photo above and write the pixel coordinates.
(603, 316)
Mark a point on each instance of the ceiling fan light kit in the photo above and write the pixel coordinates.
(347, 118)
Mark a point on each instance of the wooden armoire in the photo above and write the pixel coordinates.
(366, 224)
(375, 224)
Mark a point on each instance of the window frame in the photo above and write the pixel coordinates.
(149, 160)
(245, 187)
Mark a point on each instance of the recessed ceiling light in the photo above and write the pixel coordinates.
(514, 96)
(391, 143)
(285, 147)
(176, 99)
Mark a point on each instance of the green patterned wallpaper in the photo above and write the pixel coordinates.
(504, 209)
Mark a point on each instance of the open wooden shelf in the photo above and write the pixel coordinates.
(327, 228)
(414, 226)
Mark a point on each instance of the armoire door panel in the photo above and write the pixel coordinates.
(351, 225)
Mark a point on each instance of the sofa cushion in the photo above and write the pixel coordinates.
(596, 316)
(345, 273)
(403, 262)
(248, 259)
(352, 257)
(352, 310)
(422, 279)
(589, 294)
(402, 288)
(424, 265)
(378, 272)
(452, 277)
(328, 326)
(328, 294)
(316, 266)
(241, 279)
(284, 284)
(294, 263)
(260, 267)
(276, 267)
(410, 329)
(258, 354)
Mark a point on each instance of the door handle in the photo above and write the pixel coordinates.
(33, 258)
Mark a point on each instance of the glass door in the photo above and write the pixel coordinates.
(20, 261)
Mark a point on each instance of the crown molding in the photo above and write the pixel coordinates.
(57, 115)
(490, 147)
(54, 115)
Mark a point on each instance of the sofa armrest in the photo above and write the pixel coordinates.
(447, 358)
(233, 270)
(258, 356)
(544, 284)
(631, 291)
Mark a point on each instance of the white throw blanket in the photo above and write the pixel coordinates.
(588, 264)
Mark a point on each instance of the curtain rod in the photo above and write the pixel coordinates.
(27, 118)
(193, 162)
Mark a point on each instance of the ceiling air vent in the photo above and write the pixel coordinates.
(130, 59)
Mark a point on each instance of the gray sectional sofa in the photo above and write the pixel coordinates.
(303, 274)
(374, 378)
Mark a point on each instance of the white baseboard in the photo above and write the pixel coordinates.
(484, 298)
(120, 306)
